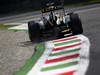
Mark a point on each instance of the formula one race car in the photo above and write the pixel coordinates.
(56, 23)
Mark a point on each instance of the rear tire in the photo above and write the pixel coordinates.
(75, 24)
(34, 31)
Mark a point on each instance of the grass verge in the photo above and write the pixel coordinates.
(31, 62)
(5, 27)
(16, 30)
(83, 3)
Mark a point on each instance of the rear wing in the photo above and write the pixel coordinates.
(51, 8)
(51, 5)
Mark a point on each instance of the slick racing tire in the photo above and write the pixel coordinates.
(39, 33)
(75, 24)
(34, 31)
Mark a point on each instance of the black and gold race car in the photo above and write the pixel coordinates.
(55, 23)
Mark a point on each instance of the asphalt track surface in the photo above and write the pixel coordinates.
(90, 16)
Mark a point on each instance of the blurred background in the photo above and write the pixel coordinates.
(20, 6)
